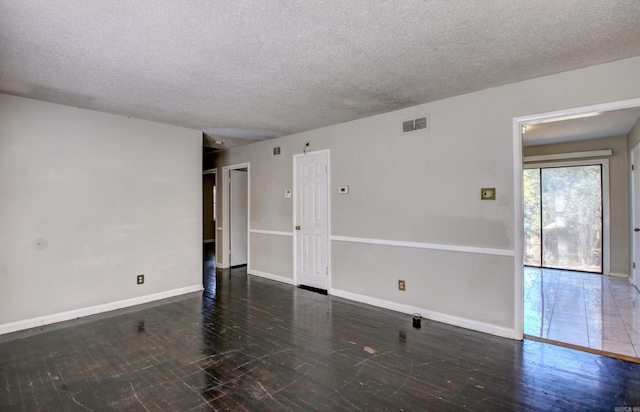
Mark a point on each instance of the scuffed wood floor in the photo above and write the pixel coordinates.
(253, 344)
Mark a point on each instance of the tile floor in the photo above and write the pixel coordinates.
(583, 309)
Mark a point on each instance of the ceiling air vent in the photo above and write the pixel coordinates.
(415, 125)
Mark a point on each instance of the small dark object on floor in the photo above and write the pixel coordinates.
(416, 320)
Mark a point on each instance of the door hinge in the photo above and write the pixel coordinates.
(633, 167)
(634, 265)
(326, 168)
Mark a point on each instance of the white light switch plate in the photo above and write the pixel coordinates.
(343, 190)
(287, 194)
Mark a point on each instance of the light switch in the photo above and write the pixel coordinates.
(287, 194)
(343, 190)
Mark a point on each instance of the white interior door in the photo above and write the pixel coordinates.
(635, 213)
(311, 220)
(238, 209)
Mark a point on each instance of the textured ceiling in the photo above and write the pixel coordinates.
(277, 67)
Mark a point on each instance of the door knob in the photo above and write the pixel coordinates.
(636, 229)
(298, 228)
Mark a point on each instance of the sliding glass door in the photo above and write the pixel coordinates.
(563, 217)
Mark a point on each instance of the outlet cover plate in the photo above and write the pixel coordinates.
(488, 193)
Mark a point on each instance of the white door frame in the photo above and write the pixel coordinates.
(295, 199)
(634, 204)
(518, 215)
(226, 214)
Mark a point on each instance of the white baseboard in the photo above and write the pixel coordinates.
(93, 310)
(618, 275)
(271, 276)
(428, 314)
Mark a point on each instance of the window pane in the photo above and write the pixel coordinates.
(572, 218)
(532, 246)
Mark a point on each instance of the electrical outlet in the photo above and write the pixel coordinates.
(401, 285)
(140, 279)
(488, 193)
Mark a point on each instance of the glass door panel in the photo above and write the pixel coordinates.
(563, 217)
(572, 218)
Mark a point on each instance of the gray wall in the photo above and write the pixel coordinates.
(618, 190)
(423, 188)
(114, 197)
(633, 138)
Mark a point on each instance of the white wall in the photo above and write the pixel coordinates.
(424, 188)
(114, 197)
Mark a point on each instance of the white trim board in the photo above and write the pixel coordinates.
(427, 314)
(270, 232)
(94, 310)
(567, 156)
(271, 276)
(575, 111)
(420, 245)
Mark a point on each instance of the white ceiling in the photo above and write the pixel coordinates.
(251, 69)
(607, 124)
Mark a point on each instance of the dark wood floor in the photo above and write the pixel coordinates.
(253, 344)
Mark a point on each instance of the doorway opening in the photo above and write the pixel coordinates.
(546, 296)
(238, 217)
(209, 206)
(209, 229)
(209, 213)
(235, 248)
